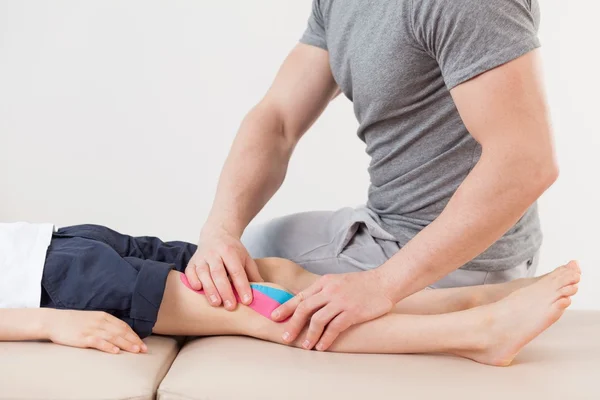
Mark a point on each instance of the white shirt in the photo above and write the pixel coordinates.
(23, 249)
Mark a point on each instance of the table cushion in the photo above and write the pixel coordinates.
(36, 370)
(562, 363)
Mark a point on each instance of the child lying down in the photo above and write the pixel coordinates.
(105, 290)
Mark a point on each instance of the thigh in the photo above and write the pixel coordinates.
(461, 277)
(323, 242)
(85, 274)
(526, 269)
(144, 247)
(81, 273)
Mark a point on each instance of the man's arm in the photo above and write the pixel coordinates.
(505, 111)
(254, 171)
(86, 329)
(258, 160)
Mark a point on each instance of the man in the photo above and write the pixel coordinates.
(452, 110)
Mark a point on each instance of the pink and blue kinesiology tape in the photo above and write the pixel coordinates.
(278, 295)
(265, 299)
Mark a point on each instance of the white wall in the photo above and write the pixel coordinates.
(122, 112)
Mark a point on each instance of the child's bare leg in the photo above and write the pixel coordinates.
(491, 334)
(426, 302)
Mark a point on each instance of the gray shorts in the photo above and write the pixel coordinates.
(350, 240)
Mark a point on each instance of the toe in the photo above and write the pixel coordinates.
(560, 277)
(574, 266)
(576, 278)
(568, 290)
(563, 302)
(572, 277)
(565, 275)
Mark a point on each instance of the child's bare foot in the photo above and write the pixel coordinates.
(511, 323)
(498, 291)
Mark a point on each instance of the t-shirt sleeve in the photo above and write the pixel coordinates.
(314, 34)
(470, 37)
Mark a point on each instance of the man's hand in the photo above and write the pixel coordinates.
(92, 329)
(221, 256)
(333, 304)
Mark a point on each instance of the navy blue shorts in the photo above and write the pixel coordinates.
(90, 267)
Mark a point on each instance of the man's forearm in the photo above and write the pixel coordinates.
(489, 202)
(24, 323)
(258, 160)
(254, 170)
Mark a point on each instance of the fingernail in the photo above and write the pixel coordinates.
(213, 298)
(286, 336)
(320, 346)
(228, 304)
(306, 344)
(144, 347)
(136, 348)
(115, 349)
(275, 314)
(246, 298)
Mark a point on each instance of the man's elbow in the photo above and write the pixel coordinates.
(544, 173)
(553, 172)
(530, 171)
(531, 165)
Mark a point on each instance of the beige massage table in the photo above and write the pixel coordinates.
(563, 364)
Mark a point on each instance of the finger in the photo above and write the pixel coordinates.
(95, 342)
(338, 325)
(238, 276)
(289, 307)
(120, 329)
(222, 284)
(134, 338)
(252, 270)
(207, 283)
(318, 322)
(301, 316)
(120, 342)
(192, 275)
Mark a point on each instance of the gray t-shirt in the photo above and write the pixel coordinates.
(397, 60)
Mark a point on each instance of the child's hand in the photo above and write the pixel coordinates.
(93, 329)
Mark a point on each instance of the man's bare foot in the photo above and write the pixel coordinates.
(511, 323)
